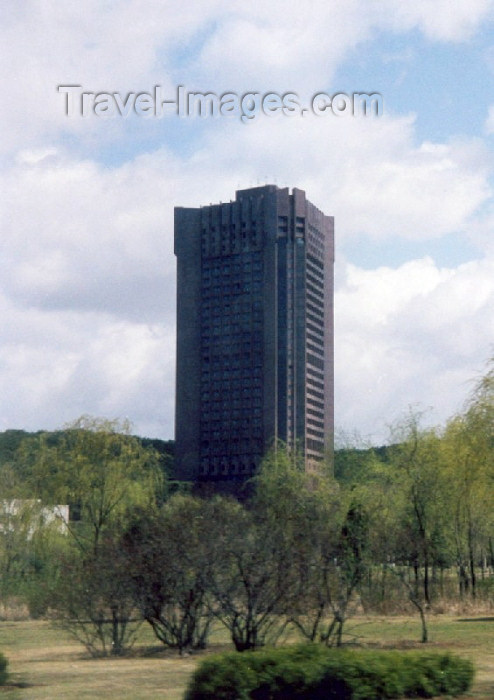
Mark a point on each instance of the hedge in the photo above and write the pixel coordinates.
(312, 672)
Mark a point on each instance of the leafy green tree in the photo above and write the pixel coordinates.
(331, 568)
(98, 468)
(93, 598)
(170, 567)
(321, 533)
(468, 467)
(30, 535)
(103, 472)
(416, 461)
(250, 582)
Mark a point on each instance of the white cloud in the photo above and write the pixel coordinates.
(79, 235)
(87, 267)
(58, 365)
(88, 271)
(271, 47)
(130, 45)
(415, 335)
(369, 172)
(443, 20)
(270, 43)
(125, 45)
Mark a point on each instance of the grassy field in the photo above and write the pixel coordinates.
(47, 664)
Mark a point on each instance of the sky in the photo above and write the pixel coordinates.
(87, 270)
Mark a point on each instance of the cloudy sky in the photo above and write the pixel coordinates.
(87, 283)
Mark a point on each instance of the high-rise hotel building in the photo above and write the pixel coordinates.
(254, 332)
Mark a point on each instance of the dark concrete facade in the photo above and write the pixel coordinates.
(254, 332)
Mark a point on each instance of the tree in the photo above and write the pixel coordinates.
(250, 582)
(321, 534)
(415, 460)
(94, 598)
(330, 567)
(29, 535)
(170, 568)
(99, 469)
(468, 466)
(102, 472)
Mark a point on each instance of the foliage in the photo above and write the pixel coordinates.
(99, 469)
(314, 672)
(250, 576)
(93, 599)
(321, 532)
(170, 571)
(468, 466)
(30, 542)
(401, 526)
(103, 473)
(11, 441)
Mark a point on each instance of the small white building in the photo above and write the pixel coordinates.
(32, 515)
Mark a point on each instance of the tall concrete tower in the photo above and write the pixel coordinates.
(254, 332)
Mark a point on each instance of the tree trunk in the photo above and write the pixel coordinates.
(426, 580)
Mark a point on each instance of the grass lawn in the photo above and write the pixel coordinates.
(47, 664)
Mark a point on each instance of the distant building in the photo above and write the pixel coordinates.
(30, 515)
(254, 332)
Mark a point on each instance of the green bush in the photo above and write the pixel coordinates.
(312, 672)
(4, 674)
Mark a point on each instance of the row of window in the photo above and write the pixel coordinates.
(315, 445)
(234, 446)
(315, 361)
(312, 402)
(315, 244)
(318, 349)
(224, 394)
(240, 334)
(230, 364)
(228, 368)
(315, 295)
(314, 387)
(314, 322)
(214, 333)
(315, 337)
(231, 227)
(236, 399)
(244, 286)
(236, 344)
(315, 309)
(313, 433)
(229, 466)
(231, 432)
(315, 414)
(237, 265)
(228, 244)
(315, 284)
(231, 290)
(209, 321)
(316, 375)
(314, 265)
(217, 395)
(224, 307)
(213, 418)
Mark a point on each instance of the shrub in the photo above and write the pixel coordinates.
(222, 678)
(4, 674)
(312, 672)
